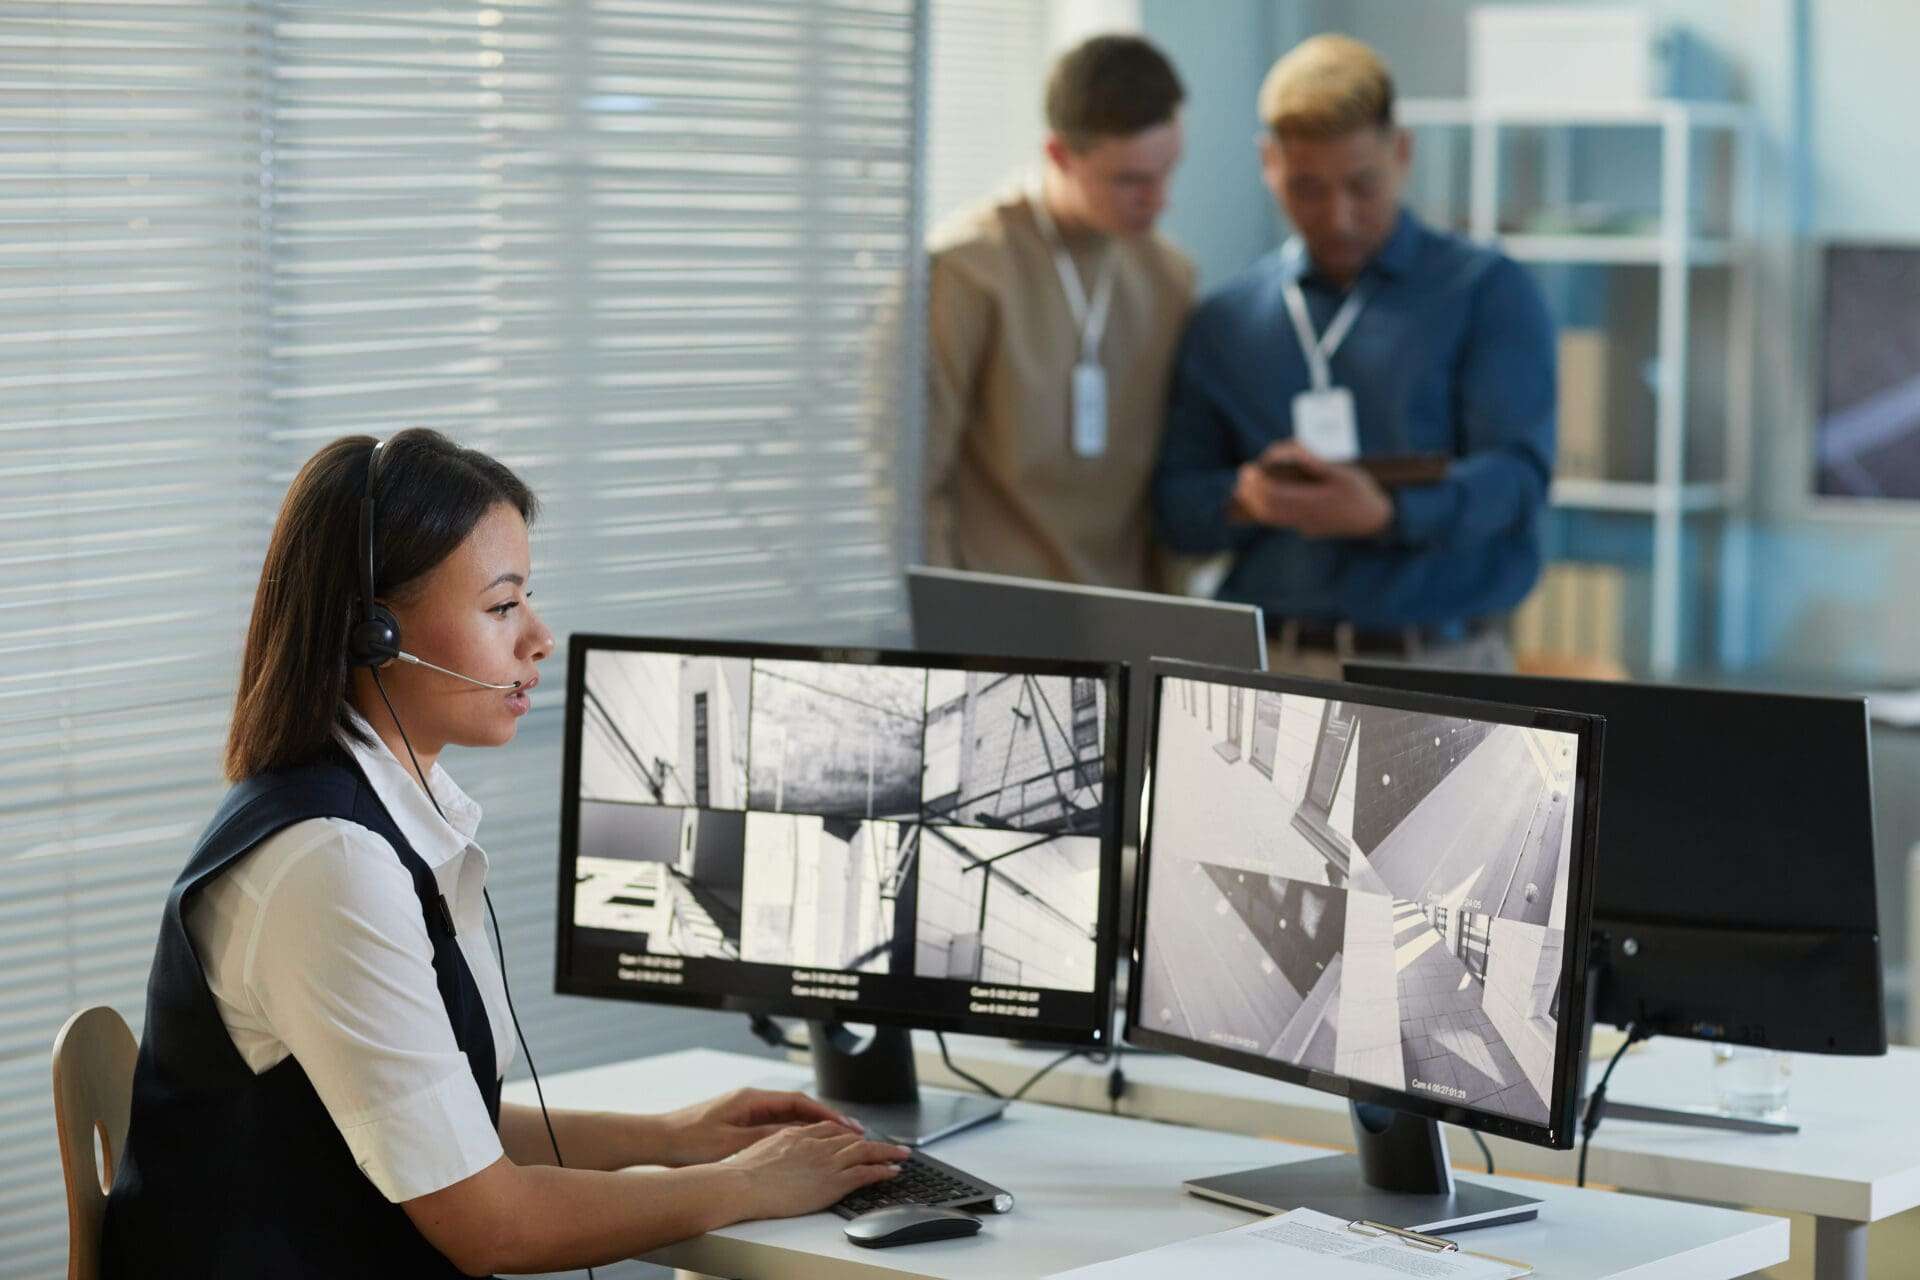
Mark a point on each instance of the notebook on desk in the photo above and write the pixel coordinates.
(1335, 1248)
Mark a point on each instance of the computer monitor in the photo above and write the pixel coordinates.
(847, 836)
(1382, 895)
(1735, 900)
(961, 612)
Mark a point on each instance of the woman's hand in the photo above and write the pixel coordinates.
(801, 1170)
(716, 1129)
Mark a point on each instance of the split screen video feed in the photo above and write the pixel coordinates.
(1365, 891)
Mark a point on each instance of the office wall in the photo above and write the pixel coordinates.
(1221, 216)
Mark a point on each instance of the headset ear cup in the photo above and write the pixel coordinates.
(375, 639)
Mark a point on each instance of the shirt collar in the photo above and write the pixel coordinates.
(1394, 259)
(437, 840)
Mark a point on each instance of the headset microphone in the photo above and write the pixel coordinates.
(375, 638)
(404, 656)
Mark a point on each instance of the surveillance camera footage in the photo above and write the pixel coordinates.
(1367, 891)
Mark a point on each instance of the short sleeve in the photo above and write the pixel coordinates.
(341, 968)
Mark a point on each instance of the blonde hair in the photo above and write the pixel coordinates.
(1325, 87)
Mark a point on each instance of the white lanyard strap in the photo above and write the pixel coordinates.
(1091, 319)
(1319, 351)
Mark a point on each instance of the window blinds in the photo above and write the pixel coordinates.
(985, 120)
(639, 249)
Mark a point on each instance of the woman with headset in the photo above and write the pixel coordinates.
(318, 1086)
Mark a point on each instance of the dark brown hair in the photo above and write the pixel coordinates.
(294, 674)
(1111, 86)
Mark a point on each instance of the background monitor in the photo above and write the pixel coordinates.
(959, 612)
(1867, 436)
(844, 835)
(1380, 894)
(1735, 900)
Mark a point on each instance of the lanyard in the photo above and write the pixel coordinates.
(1319, 352)
(1091, 319)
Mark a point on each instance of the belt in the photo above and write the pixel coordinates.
(1346, 639)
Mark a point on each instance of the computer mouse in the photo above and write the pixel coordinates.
(909, 1224)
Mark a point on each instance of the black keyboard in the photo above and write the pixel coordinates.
(924, 1180)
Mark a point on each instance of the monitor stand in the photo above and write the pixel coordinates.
(1702, 1117)
(873, 1080)
(1399, 1177)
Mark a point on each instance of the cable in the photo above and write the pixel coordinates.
(1485, 1150)
(1116, 1079)
(1596, 1105)
(499, 940)
(1034, 1079)
(940, 1038)
(770, 1033)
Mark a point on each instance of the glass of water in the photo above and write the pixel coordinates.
(1751, 1082)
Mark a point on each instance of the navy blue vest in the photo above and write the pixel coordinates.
(230, 1175)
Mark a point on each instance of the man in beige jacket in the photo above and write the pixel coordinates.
(1054, 315)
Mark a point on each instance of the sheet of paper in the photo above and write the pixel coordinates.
(1302, 1245)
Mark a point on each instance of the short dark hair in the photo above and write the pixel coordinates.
(1111, 86)
(294, 673)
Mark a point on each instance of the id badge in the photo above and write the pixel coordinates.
(1324, 422)
(1089, 410)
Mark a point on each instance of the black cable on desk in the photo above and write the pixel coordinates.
(1596, 1105)
(1117, 1079)
(1034, 1079)
(940, 1038)
(771, 1034)
(1485, 1150)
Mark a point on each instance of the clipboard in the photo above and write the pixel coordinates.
(1389, 470)
(1303, 1242)
(1432, 1244)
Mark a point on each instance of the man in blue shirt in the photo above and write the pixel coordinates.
(1367, 334)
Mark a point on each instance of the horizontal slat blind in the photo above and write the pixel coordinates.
(132, 453)
(639, 249)
(704, 230)
(985, 123)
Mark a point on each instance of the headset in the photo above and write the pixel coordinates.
(375, 638)
(373, 642)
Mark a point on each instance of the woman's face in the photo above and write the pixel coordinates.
(473, 614)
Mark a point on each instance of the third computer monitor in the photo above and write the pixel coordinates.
(1379, 894)
(1735, 900)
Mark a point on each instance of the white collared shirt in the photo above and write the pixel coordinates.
(314, 945)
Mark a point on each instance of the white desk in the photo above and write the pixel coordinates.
(1855, 1161)
(1090, 1187)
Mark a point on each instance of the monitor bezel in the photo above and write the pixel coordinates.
(1113, 674)
(1562, 1107)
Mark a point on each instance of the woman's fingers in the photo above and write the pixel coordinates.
(865, 1151)
(864, 1175)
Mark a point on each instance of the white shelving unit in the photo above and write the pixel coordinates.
(1678, 247)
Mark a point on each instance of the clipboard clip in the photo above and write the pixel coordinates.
(1433, 1244)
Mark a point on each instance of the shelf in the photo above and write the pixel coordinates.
(1654, 113)
(1639, 496)
(1669, 240)
(1610, 250)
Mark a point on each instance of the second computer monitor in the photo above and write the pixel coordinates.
(1379, 894)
